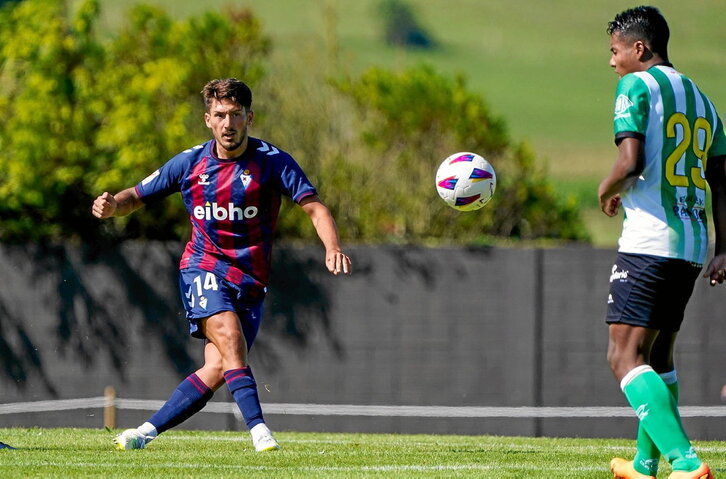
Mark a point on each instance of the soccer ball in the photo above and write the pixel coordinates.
(466, 181)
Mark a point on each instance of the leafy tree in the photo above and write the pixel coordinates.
(411, 121)
(79, 115)
(45, 68)
(82, 113)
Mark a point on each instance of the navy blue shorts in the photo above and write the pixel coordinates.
(205, 294)
(650, 291)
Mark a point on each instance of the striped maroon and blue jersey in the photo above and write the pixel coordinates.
(233, 206)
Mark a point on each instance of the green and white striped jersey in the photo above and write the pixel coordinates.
(665, 210)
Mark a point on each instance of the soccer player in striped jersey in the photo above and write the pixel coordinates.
(671, 144)
(232, 187)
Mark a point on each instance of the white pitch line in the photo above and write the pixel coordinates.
(57, 405)
(474, 411)
(349, 469)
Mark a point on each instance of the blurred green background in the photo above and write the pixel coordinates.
(541, 66)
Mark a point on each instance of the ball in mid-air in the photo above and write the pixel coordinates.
(466, 181)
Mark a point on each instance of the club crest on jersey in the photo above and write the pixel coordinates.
(203, 179)
(622, 105)
(246, 178)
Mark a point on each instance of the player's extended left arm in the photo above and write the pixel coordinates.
(335, 260)
(716, 177)
(627, 168)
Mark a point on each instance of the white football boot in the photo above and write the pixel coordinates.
(129, 439)
(262, 438)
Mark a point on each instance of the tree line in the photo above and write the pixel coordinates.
(83, 111)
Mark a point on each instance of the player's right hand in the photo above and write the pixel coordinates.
(611, 206)
(104, 206)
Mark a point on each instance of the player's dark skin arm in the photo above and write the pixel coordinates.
(625, 171)
(716, 177)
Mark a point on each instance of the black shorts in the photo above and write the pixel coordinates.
(650, 291)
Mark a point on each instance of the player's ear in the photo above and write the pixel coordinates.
(642, 51)
(250, 116)
(207, 117)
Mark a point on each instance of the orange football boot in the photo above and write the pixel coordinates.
(703, 472)
(623, 469)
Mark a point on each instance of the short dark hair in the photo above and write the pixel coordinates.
(643, 23)
(229, 89)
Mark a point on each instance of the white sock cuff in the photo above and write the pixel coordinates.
(670, 377)
(633, 373)
(147, 429)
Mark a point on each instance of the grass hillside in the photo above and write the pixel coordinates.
(543, 66)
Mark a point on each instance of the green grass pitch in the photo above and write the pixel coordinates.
(63, 453)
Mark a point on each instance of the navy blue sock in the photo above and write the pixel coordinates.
(186, 400)
(243, 387)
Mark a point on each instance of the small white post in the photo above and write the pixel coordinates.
(109, 410)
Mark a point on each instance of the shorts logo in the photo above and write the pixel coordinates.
(199, 286)
(622, 105)
(620, 275)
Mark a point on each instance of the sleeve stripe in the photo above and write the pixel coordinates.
(620, 136)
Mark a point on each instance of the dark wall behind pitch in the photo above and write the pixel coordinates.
(412, 326)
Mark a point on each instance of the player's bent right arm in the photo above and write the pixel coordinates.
(716, 177)
(627, 168)
(120, 204)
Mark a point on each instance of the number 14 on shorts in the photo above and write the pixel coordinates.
(197, 288)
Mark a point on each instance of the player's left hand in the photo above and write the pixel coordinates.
(338, 262)
(716, 269)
